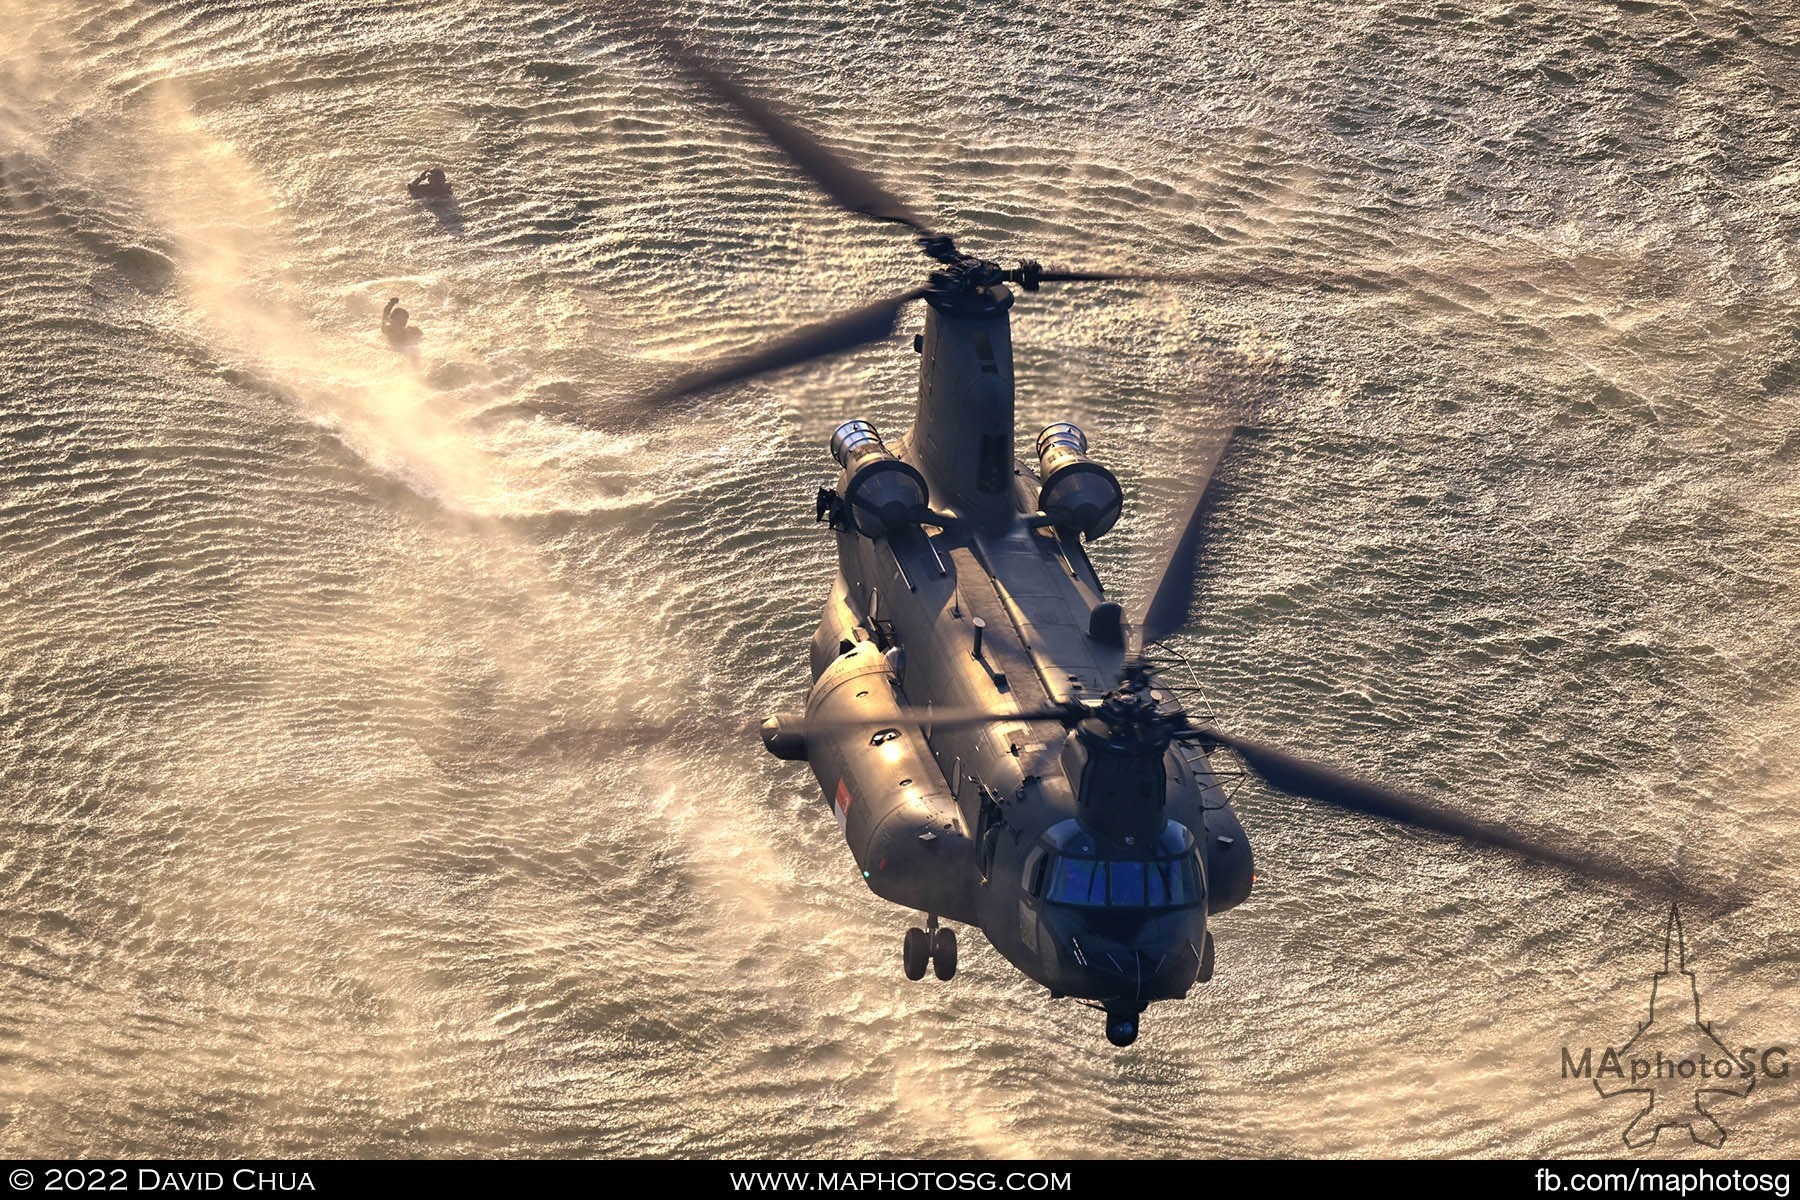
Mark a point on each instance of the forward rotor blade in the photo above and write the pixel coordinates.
(846, 183)
(637, 735)
(870, 323)
(1288, 772)
(1166, 611)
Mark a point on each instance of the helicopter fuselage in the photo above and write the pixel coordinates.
(1091, 861)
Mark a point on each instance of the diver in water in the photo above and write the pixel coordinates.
(400, 335)
(430, 185)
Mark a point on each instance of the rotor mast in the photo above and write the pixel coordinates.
(962, 438)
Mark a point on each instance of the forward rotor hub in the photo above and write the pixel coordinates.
(1132, 714)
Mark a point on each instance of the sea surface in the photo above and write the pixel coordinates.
(373, 767)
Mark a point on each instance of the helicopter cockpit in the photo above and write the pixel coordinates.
(1118, 922)
(1077, 874)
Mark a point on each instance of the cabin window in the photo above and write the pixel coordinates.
(988, 832)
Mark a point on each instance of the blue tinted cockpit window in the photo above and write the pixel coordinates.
(1182, 880)
(1125, 883)
(1078, 881)
(1156, 881)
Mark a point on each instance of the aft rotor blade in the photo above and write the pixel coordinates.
(1288, 772)
(1166, 611)
(837, 177)
(870, 323)
(1264, 277)
(1125, 277)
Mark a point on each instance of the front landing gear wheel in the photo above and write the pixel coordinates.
(1121, 1030)
(916, 952)
(943, 953)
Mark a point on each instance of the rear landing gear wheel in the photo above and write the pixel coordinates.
(916, 952)
(943, 953)
(1121, 1030)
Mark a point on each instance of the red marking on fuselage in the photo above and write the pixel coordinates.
(841, 806)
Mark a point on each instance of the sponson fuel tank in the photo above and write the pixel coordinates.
(886, 791)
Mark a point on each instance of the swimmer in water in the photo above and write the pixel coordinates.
(430, 185)
(394, 326)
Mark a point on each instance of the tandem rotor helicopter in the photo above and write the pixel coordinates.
(994, 734)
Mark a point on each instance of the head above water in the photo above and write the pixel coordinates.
(394, 324)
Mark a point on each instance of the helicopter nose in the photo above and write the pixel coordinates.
(1138, 973)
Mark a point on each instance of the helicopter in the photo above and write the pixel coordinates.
(995, 736)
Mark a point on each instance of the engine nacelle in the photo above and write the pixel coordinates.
(882, 494)
(1077, 493)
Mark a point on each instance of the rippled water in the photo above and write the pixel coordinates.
(313, 840)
